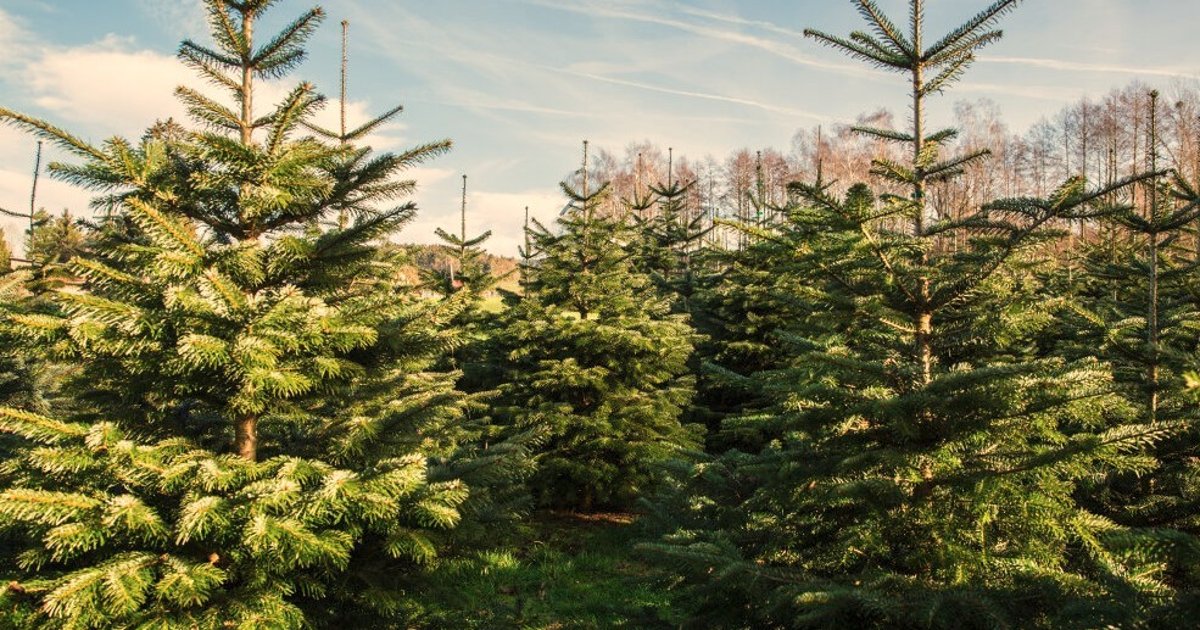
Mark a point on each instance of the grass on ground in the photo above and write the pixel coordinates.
(576, 572)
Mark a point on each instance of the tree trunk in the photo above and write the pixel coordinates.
(1152, 316)
(923, 321)
(247, 92)
(925, 346)
(246, 437)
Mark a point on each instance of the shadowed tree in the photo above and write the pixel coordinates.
(920, 455)
(593, 359)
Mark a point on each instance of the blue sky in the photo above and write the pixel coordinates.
(517, 84)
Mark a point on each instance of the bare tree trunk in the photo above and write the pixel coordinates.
(247, 125)
(246, 430)
(246, 437)
(1152, 316)
(923, 317)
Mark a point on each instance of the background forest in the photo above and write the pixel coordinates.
(908, 376)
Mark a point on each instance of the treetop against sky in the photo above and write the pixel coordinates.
(518, 83)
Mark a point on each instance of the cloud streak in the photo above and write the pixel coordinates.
(768, 107)
(1077, 66)
(774, 47)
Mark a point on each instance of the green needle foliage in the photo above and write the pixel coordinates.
(670, 244)
(920, 459)
(757, 294)
(50, 245)
(20, 381)
(1136, 308)
(263, 440)
(594, 360)
(5, 254)
(224, 405)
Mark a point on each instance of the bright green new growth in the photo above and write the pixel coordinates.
(260, 425)
(166, 534)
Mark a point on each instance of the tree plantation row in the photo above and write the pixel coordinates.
(910, 377)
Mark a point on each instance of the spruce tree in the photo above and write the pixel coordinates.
(921, 457)
(593, 359)
(262, 442)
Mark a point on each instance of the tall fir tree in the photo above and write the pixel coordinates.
(262, 442)
(921, 457)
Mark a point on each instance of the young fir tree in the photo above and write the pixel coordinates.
(526, 254)
(5, 254)
(595, 361)
(51, 243)
(465, 259)
(1136, 286)
(669, 241)
(921, 456)
(262, 442)
(762, 291)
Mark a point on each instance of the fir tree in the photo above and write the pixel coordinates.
(263, 442)
(921, 457)
(51, 243)
(1135, 307)
(1136, 286)
(5, 254)
(594, 360)
(20, 382)
(669, 246)
(746, 310)
(465, 258)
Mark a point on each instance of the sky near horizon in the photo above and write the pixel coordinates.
(517, 84)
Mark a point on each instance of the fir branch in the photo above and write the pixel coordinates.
(45, 130)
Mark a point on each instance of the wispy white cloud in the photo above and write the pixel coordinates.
(770, 27)
(501, 212)
(470, 98)
(15, 41)
(1047, 93)
(774, 47)
(1079, 66)
(106, 88)
(775, 109)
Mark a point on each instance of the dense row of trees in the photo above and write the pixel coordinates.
(946, 385)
